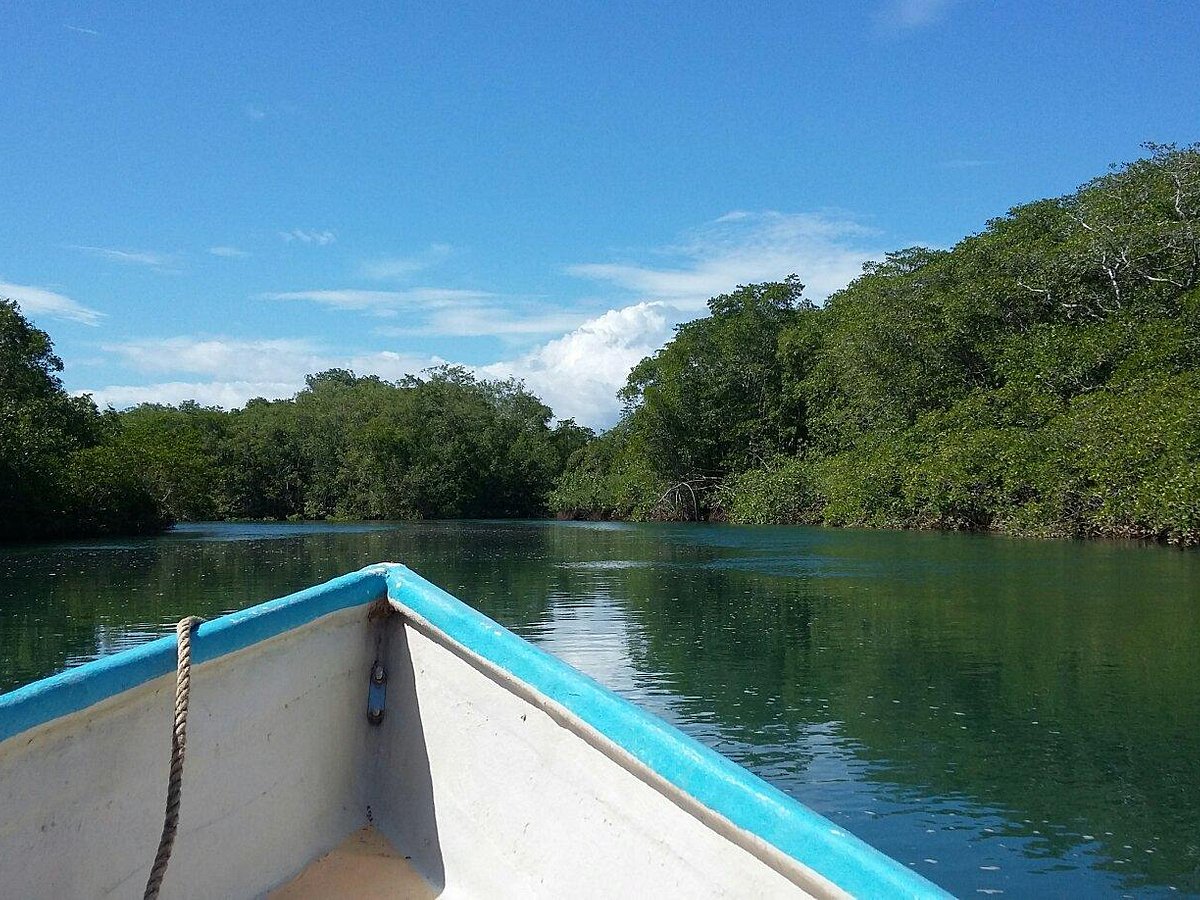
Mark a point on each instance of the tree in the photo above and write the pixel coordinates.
(1040, 376)
(709, 402)
(49, 456)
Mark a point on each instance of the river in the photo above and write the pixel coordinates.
(1005, 716)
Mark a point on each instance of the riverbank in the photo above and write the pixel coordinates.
(717, 516)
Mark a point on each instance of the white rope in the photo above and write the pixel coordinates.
(183, 687)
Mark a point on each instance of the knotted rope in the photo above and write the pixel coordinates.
(183, 687)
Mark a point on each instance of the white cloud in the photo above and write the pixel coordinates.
(320, 238)
(228, 252)
(227, 394)
(405, 266)
(36, 301)
(389, 365)
(92, 31)
(283, 360)
(382, 303)
(239, 370)
(486, 321)
(741, 247)
(906, 14)
(130, 257)
(578, 375)
(446, 312)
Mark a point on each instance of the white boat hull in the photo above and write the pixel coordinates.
(496, 770)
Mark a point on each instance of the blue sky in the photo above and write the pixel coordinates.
(210, 200)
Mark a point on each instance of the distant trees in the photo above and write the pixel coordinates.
(1041, 376)
(444, 445)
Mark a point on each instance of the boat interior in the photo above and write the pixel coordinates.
(468, 786)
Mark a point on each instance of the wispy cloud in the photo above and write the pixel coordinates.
(319, 238)
(742, 247)
(255, 360)
(446, 312)
(254, 112)
(238, 370)
(383, 303)
(161, 261)
(581, 360)
(487, 321)
(910, 14)
(79, 28)
(228, 252)
(36, 301)
(398, 267)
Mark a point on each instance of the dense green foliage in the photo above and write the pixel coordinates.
(59, 471)
(1042, 376)
(443, 446)
(357, 447)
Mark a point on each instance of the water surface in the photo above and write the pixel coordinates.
(1005, 716)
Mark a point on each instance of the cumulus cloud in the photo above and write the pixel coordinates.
(390, 365)
(742, 248)
(36, 301)
(578, 375)
(319, 238)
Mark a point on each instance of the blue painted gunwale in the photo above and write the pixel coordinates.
(716, 782)
(75, 689)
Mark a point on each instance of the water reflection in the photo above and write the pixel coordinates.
(1005, 716)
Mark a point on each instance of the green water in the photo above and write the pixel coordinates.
(1003, 715)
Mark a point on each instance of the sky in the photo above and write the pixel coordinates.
(209, 201)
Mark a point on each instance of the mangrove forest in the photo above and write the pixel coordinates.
(1040, 377)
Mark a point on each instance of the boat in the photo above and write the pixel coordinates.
(374, 736)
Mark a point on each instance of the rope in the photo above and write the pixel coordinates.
(183, 687)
